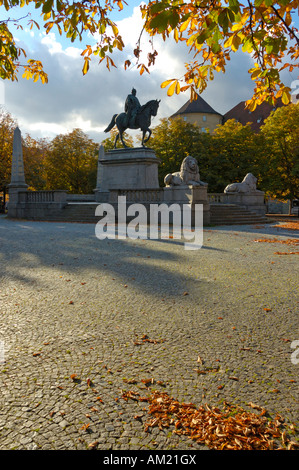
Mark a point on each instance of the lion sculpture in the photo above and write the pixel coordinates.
(248, 185)
(188, 174)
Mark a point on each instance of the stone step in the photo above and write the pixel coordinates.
(230, 214)
(75, 212)
(236, 219)
(222, 217)
(220, 214)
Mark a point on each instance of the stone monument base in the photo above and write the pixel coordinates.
(251, 201)
(134, 168)
(13, 208)
(189, 194)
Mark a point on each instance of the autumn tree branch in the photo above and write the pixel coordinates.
(290, 30)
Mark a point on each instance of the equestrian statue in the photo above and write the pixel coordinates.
(134, 117)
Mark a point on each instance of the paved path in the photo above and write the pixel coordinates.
(72, 309)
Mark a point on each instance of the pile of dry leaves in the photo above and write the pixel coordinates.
(231, 429)
(289, 226)
(290, 242)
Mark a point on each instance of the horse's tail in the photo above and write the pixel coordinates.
(111, 125)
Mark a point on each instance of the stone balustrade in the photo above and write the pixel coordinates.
(253, 201)
(80, 197)
(137, 195)
(38, 197)
(217, 198)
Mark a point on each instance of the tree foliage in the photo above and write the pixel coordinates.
(212, 31)
(72, 19)
(67, 162)
(108, 143)
(281, 158)
(224, 157)
(34, 155)
(7, 126)
(229, 154)
(234, 150)
(71, 163)
(173, 140)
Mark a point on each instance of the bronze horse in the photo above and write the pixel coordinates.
(143, 121)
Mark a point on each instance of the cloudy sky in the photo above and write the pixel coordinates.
(71, 100)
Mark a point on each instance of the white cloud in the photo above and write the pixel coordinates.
(167, 60)
(74, 52)
(50, 42)
(55, 47)
(50, 129)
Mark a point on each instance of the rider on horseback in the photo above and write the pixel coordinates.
(135, 117)
(132, 106)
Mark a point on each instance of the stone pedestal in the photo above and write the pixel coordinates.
(184, 194)
(251, 201)
(134, 168)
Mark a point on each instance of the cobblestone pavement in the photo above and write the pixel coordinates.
(73, 310)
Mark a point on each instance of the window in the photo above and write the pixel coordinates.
(203, 129)
(185, 118)
(204, 118)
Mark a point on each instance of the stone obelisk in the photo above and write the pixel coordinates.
(17, 180)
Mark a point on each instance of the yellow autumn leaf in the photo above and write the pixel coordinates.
(166, 83)
(237, 26)
(176, 35)
(185, 24)
(27, 75)
(44, 78)
(114, 29)
(229, 41)
(235, 43)
(193, 95)
(286, 97)
(172, 88)
(251, 105)
(86, 65)
(47, 16)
